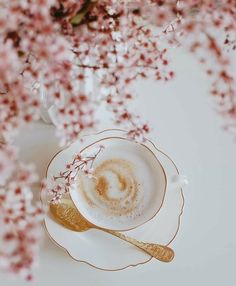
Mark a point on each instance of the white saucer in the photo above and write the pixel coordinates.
(101, 250)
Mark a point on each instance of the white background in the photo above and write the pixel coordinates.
(188, 129)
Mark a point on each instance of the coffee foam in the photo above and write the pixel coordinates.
(114, 189)
(127, 188)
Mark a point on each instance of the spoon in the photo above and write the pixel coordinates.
(68, 215)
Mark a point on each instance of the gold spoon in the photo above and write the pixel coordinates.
(68, 215)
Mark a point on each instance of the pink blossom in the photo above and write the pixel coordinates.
(6, 166)
(57, 45)
(60, 184)
(20, 230)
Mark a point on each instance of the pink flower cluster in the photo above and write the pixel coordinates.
(57, 45)
(34, 52)
(20, 219)
(116, 44)
(59, 184)
(208, 30)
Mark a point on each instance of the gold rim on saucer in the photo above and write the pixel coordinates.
(179, 217)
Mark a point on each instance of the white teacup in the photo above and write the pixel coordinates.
(128, 187)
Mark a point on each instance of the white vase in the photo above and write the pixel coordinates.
(48, 108)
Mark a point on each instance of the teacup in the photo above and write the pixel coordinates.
(127, 188)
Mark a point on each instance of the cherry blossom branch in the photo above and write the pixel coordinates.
(60, 184)
(53, 44)
(20, 218)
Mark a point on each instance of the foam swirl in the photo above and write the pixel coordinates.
(115, 188)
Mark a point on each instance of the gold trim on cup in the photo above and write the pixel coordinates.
(165, 178)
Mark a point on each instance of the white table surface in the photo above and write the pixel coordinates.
(189, 130)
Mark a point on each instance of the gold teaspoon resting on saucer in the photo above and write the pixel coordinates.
(68, 215)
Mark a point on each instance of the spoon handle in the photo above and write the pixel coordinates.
(160, 252)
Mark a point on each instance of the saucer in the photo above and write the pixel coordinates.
(102, 250)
